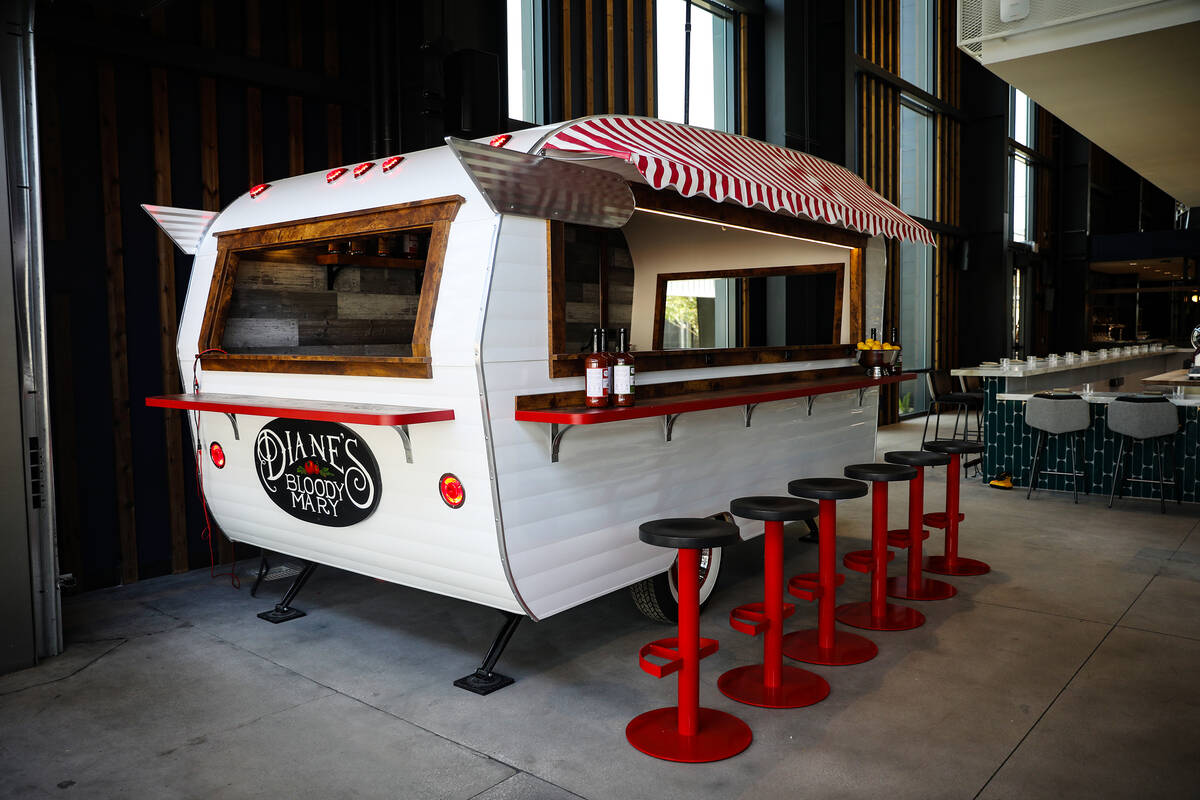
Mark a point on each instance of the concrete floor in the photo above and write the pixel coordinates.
(1071, 670)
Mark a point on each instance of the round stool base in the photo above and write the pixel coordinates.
(719, 735)
(797, 687)
(960, 566)
(848, 648)
(926, 589)
(895, 618)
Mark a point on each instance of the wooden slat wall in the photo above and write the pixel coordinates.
(879, 144)
(602, 45)
(117, 534)
(878, 109)
(946, 191)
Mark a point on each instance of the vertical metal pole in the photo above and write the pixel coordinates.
(952, 511)
(879, 549)
(687, 59)
(773, 603)
(916, 512)
(826, 573)
(689, 640)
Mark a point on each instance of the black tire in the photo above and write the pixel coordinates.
(658, 597)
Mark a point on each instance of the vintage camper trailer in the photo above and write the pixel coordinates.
(389, 356)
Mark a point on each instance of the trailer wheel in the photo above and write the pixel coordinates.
(658, 597)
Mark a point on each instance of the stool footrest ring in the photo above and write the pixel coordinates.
(807, 586)
(669, 649)
(751, 619)
(900, 537)
(862, 560)
(940, 519)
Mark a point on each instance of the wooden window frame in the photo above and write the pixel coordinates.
(660, 295)
(435, 214)
(566, 365)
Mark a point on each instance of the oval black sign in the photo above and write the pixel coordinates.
(319, 472)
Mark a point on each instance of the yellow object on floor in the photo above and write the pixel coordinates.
(1002, 481)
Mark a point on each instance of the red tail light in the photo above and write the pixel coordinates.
(390, 164)
(217, 454)
(363, 168)
(453, 493)
(255, 191)
(500, 141)
(334, 174)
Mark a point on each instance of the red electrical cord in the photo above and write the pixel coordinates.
(207, 533)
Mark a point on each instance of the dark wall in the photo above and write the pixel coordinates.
(297, 87)
(985, 283)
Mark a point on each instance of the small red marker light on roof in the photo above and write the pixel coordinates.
(363, 168)
(390, 164)
(217, 455)
(500, 141)
(334, 174)
(255, 191)
(453, 493)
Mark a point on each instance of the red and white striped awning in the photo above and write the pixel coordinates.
(722, 166)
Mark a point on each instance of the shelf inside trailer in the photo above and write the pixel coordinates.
(670, 406)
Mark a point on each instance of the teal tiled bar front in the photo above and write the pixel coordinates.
(1009, 442)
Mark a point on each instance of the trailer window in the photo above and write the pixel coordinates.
(352, 294)
(598, 283)
(769, 313)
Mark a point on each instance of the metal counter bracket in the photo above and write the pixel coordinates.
(748, 412)
(407, 440)
(233, 421)
(810, 402)
(556, 434)
(861, 392)
(668, 423)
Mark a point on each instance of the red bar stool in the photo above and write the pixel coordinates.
(878, 614)
(952, 563)
(686, 732)
(914, 585)
(826, 644)
(771, 684)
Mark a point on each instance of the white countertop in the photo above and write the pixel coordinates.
(1103, 398)
(1021, 369)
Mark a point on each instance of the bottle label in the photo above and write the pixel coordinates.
(596, 382)
(623, 379)
(608, 381)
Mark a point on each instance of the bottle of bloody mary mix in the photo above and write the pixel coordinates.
(596, 374)
(612, 361)
(622, 372)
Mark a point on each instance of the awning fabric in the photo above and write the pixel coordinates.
(722, 166)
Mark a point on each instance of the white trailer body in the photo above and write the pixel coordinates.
(534, 536)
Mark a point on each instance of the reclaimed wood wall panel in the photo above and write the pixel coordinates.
(597, 45)
(117, 333)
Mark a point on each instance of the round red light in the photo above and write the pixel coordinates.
(453, 493)
(217, 454)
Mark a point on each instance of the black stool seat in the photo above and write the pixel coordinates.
(773, 509)
(827, 488)
(953, 446)
(689, 532)
(881, 472)
(917, 458)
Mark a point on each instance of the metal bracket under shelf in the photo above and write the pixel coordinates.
(556, 434)
(237, 436)
(668, 422)
(748, 412)
(407, 440)
(811, 398)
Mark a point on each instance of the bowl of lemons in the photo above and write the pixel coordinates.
(878, 357)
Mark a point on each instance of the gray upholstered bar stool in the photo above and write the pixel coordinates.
(1141, 418)
(1055, 415)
